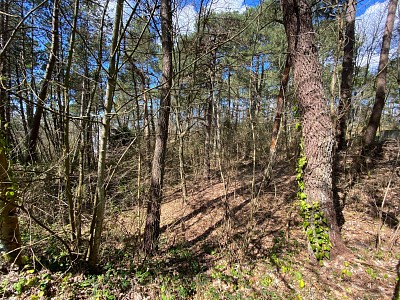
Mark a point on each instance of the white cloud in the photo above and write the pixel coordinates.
(186, 19)
(370, 27)
(227, 5)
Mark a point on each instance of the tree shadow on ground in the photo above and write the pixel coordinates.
(353, 169)
(206, 206)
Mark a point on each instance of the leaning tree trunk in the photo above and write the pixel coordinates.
(99, 205)
(152, 228)
(317, 127)
(376, 113)
(277, 122)
(34, 130)
(347, 75)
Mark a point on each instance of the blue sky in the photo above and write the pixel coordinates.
(369, 27)
(362, 5)
(371, 17)
(187, 14)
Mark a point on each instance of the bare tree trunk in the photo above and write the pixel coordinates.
(209, 116)
(346, 85)
(181, 138)
(3, 66)
(336, 58)
(277, 121)
(34, 130)
(376, 113)
(152, 228)
(207, 140)
(80, 189)
(146, 122)
(178, 123)
(316, 122)
(100, 201)
(67, 161)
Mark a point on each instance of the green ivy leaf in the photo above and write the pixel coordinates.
(301, 283)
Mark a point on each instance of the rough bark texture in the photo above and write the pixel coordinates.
(316, 122)
(347, 75)
(376, 113)
(34, 130)
(152, 228)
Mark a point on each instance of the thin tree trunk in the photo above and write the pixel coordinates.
(376, 113)
(207, 140)
(34, 130)
(277, 121)
(20, 100)
(99, 205)
(80, 189)
(181, 138)
(152, 227)
(180, 132)
(346, 85)
(67, 168)
(334, 78)
(5, 74)
(146, 122)
(316, 122)
(3, 67)
(209, 120)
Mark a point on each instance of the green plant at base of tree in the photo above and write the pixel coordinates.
(314, 222)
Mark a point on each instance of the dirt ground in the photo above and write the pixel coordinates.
(255, 247)
(227, 242)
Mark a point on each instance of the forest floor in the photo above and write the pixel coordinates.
(225, 244)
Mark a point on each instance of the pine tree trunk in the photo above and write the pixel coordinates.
(347, 76)
(316, 122)
(376, 113)
(152, 228)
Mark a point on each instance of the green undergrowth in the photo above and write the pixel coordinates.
(178, 273)
(314, 222)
